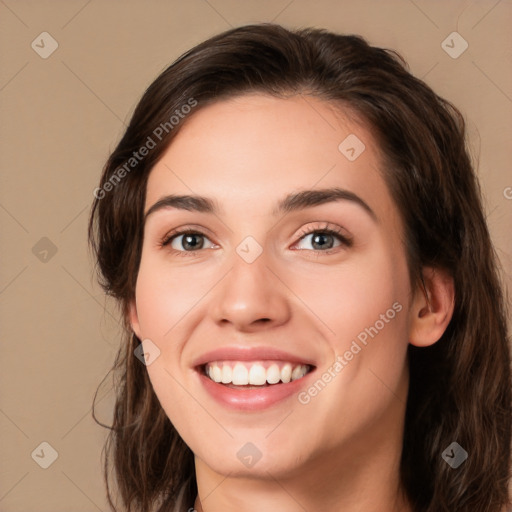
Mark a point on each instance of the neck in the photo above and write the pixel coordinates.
(366, 491)
(363, 476)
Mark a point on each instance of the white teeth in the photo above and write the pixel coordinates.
(240, 375)
(298, 372)
(217, 373)
(273, 374)
(286, 373)
(227, 374)
(255, 374)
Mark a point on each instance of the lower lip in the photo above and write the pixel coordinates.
(254, 399)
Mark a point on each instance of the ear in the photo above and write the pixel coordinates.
(432, 307)
(134, 318)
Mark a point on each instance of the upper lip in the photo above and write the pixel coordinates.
(239, 353)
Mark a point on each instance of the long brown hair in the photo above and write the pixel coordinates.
(460, 387)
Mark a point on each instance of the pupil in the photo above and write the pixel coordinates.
(322, 242)
(187, 242)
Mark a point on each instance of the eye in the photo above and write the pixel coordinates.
(187, 240)
(325, 239)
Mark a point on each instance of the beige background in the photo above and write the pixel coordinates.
(62, 115)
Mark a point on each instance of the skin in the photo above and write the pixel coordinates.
(341, 450)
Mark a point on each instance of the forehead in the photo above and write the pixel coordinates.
(251, 150)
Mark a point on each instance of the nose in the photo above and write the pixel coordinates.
(251, 297)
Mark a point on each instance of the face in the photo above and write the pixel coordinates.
(281, 315)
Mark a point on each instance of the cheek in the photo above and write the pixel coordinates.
(352, 296)
(165, 300)
(383, 305)
(166, 296)
(364, 305)
(161, 303)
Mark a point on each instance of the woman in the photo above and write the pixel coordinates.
(293, 228)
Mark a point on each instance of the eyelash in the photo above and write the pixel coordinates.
(344, 239)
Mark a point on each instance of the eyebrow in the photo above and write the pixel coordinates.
(292, 202)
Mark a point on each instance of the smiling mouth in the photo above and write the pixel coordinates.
(257, 374)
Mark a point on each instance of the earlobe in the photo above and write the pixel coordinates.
(432, 307)
(134, 318)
